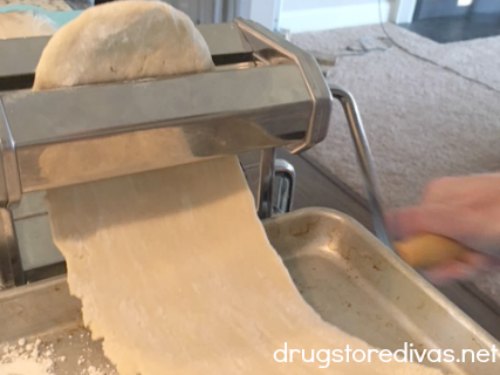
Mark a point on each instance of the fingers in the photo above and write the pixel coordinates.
(445, 190)
(411, 222)
(457, 223)
(472, 264)
(408, 222)
(463, 209)
(450, 272)
(402, 223)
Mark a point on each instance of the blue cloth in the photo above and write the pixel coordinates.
(57, 18)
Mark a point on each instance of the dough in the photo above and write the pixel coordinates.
(122, 41)
(23, 24)
(115, 42)
(173, 267)
(175, 272)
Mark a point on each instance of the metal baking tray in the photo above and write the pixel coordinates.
(341, 269)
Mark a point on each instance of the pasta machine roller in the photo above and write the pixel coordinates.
(264, 93)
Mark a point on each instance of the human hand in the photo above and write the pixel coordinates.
(464, 209)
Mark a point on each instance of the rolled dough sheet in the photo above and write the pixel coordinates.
(175, 272)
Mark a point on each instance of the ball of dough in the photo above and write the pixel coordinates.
(120, 41)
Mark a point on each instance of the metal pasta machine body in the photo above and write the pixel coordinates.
(263, 94)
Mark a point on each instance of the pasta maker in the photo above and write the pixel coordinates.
(264, 93)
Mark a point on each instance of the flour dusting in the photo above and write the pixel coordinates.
(26, 359)
(66, 354)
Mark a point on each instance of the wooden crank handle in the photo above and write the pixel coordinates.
(430, 250)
